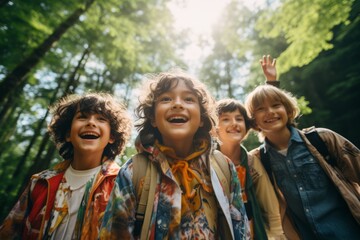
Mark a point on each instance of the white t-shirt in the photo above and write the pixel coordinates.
(75, 181)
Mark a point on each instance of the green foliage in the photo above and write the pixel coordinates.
(303, 105)
(109, 48)
(307, 27)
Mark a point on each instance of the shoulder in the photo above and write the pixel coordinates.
(320, 130)
(58, 169)
(110, 167)
(327, 135)
(255, 153)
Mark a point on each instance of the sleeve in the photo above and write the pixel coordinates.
(13, 225)
(119, 217)
(267, 199)
(346, 154)
(275, 83)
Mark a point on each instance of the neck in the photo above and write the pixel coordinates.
(279, 140)
(232, 151)
(85, 161)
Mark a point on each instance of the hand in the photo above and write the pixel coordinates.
(268, 66)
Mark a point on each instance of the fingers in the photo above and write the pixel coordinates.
(274, 62)
(267, 60)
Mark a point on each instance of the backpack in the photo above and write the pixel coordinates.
(314, 139)
(143, 167)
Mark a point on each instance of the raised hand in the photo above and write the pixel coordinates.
(268, 66)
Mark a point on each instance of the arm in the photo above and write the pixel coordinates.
(268, 65)
(267, 199)
(119, 217)
(13, 225)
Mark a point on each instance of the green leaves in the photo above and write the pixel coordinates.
(307, 27)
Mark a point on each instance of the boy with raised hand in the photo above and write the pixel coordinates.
(68, 200)
(261, 204)
(176, 115)
(319, 197)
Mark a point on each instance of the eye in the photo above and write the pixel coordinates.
(259, 109)
(240, 119)
(164, 99)
(190, 99)
(277, 105)
(102, 118)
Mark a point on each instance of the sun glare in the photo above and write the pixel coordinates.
(198, 17)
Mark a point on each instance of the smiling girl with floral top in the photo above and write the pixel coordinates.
(176, 115)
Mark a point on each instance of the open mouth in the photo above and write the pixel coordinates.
(89, 135)
(177, 119)
(271, 120)
(233, 131)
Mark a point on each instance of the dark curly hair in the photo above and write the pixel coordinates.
(93, 102)
(155, 85)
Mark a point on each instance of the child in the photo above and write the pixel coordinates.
(257, 192)
(68, 201)
(317, 200)
(176, 116)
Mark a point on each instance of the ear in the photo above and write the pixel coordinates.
(153, 123)
(67, 137)
(201, 123)
(111, 140)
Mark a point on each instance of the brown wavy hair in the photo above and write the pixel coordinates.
(155, 85)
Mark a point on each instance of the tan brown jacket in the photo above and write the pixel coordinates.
(345, 175)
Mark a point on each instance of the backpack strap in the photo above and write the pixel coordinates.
(265, 160)
(315, 140)
(221, 167)
(143, 167)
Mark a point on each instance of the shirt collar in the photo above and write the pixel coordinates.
(294, 137)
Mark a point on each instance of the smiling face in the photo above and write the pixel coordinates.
(89, 134)
(231, 128)
(177, 115)
(271, 117)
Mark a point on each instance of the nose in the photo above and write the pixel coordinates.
(177, 103)
(270, 110)
(233, 122)
(92, 120)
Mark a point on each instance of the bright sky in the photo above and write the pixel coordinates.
(198, 16)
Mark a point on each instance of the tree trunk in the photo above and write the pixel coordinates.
(15, 78)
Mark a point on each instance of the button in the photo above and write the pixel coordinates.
(295, 176)
(300, 188)
(307, 210)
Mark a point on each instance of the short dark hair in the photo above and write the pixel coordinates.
(231, 105)
(105, 104)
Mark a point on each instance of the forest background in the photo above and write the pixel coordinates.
(52, 48)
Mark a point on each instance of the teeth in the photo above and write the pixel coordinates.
(177, 119)
(89, 135)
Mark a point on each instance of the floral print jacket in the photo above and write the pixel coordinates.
(119, 220)
(30, 217)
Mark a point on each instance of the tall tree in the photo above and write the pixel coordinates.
(15, 78)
